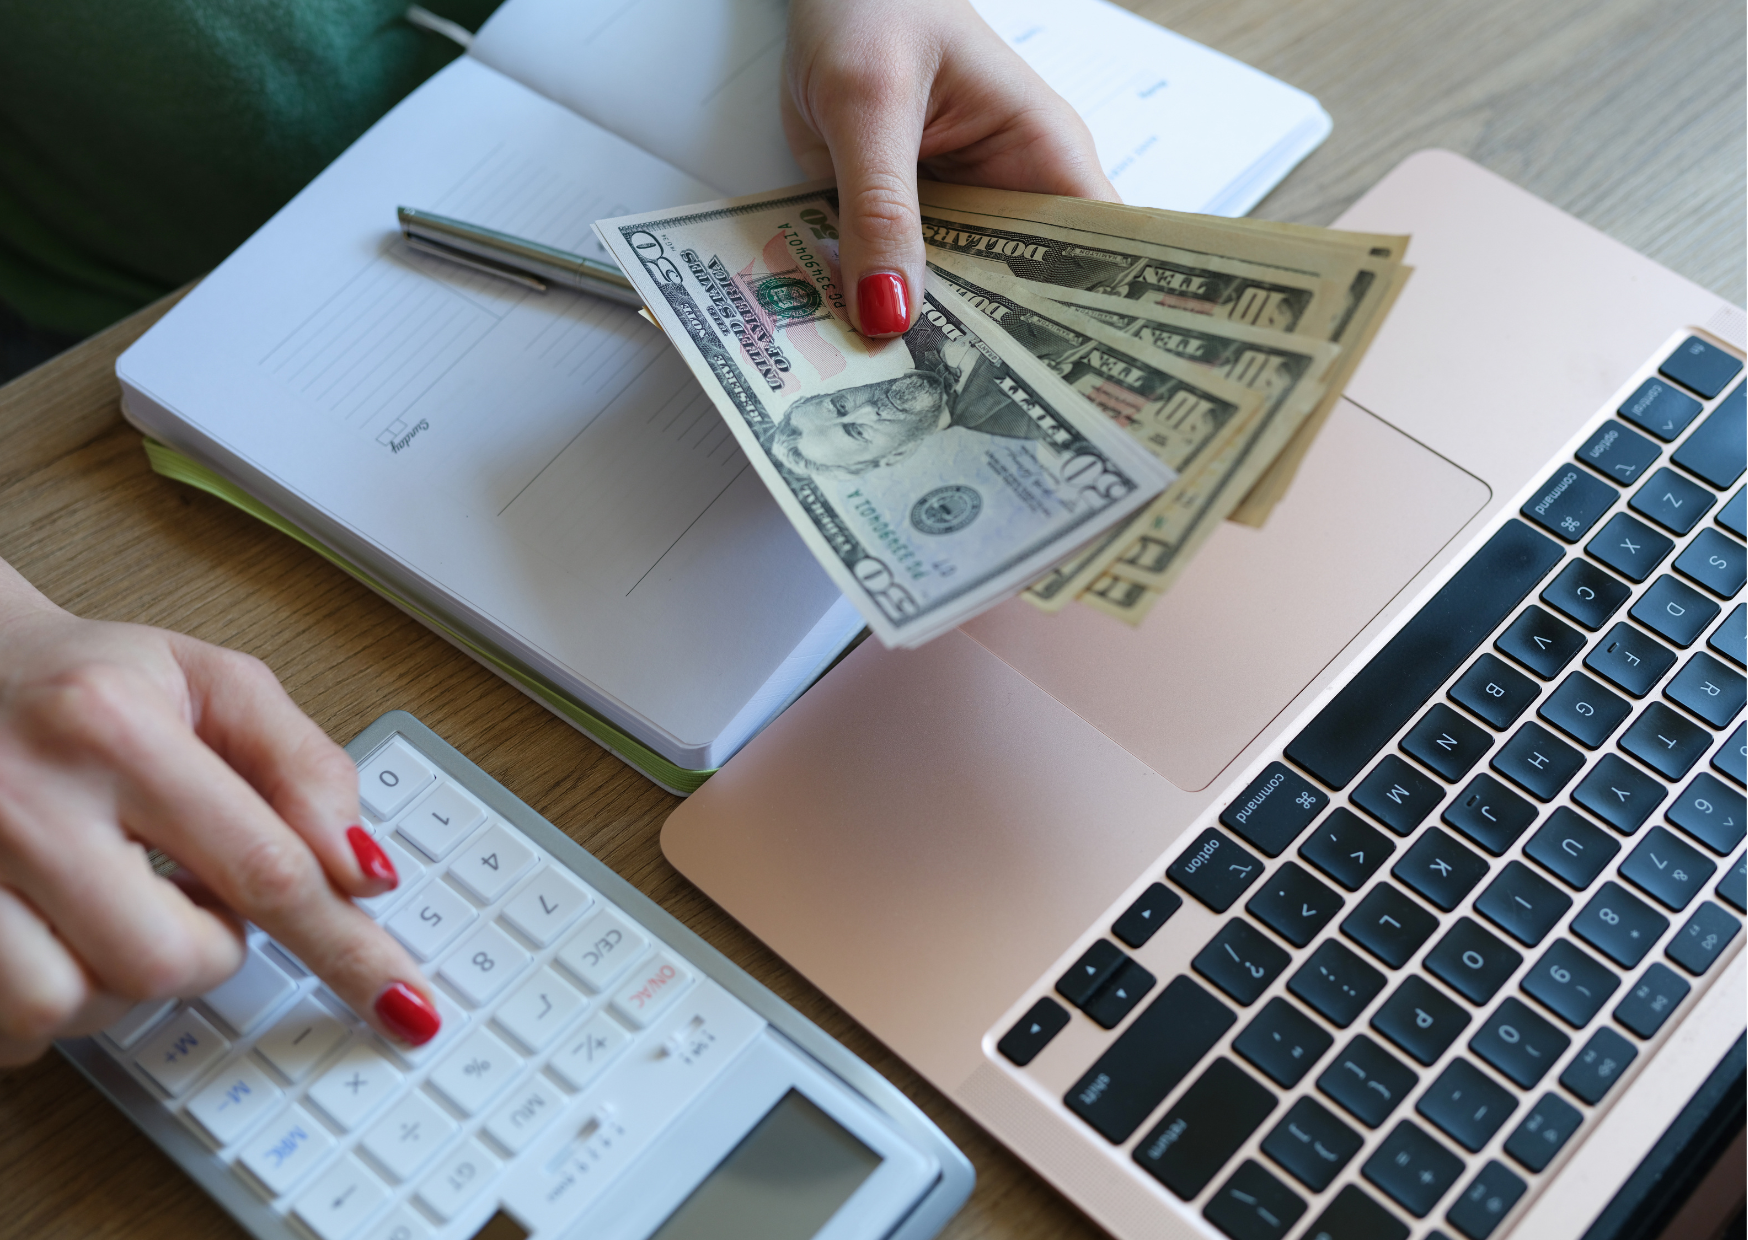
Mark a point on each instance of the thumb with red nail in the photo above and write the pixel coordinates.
(876, 90)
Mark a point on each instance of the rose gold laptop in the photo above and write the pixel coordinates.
(1388, 879)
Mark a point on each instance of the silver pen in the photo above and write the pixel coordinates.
(528, 263)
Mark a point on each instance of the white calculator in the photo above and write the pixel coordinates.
(601, 1072)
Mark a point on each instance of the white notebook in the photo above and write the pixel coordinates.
(537, 475)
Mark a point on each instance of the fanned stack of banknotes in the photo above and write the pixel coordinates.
(1088, 391)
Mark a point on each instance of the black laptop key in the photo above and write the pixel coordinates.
(1149, 912)
(1657, 993)
(1345, 847)
(1241, 960)
(1094, 968)
(1398, 794)
(1275, 809)
(1732, 889)
(1730, 638)
(1700, 367)
(1718, 563)
(1367, 1081)
(1440, 869)
(1732, 755)
(1215, 869)
(1355, 1216)
(1672, 501)
(1619, 453)
(1495, 691)
(1584, 710)
(1630, 547)
(1674, 611)
(1488, 1199)
(1661, 408)
(1619, 793)
(1294, 905)
(1668, 869)
(1149, 1058)
(1703, 939)
(1711, 811)
(1733, 516)
(1540, 642)
(1595, 1069)
(1585, 593)
(1413, 1169)
(1204, 1128)
(1312, 1144)
(1282, 1042)
(1630, 659)
(1574, 850)
(1709, 689)
(1472, 961)
(1254, 1205)
(1389, 925)
(1466, 1104)
(1032, 1032)
(1519, 1043)
(1570, 984)
(1446, 742)
(1569, 503)
(1402, 676)
(1490, 814)
(1336, 983)
(1619, 925)
(1535, 1141)
(1718, 447)
(1420, 1020)
(1538, 761)
(1118, 997)
(1522, 903)
(1666, 741)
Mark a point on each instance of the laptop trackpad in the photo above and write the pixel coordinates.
(1259, 613)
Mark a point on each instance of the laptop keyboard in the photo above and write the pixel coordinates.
(1478, 882)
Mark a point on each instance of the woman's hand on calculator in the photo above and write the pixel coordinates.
(118, 737)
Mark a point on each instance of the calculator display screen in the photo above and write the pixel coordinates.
(784, 1181)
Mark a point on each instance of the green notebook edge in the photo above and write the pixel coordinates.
(169, 463)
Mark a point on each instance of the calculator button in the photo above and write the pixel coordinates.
(301, 1038)
(542, 1006)
(431, 919)
(549, 903)
(486, 962)
(651, 988)
(1543, 1131)
(581, 1056)
(1598, 1066)
(1703, 938)
(140, 1018)
(360, 1081)
(232, 1101)
(1413, 1168)
(525, 1114)
(402, 1224)
(1658, 992)
(1466, 1105)
(287, 1149)
(393, 776)
(404, 1140)
(601, 950)
(179, 1052)
(441, 821)
(491, 862)
(1486, 1201)
(250, 993)
(454, 1018)
(339, 1201)
(475, 1071)
(408, 867)
(458, 1180)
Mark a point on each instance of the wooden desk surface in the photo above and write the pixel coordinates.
(1627, 113)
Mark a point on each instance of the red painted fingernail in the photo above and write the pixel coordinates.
(406, 1013)
(883, 304)
(371, 859)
